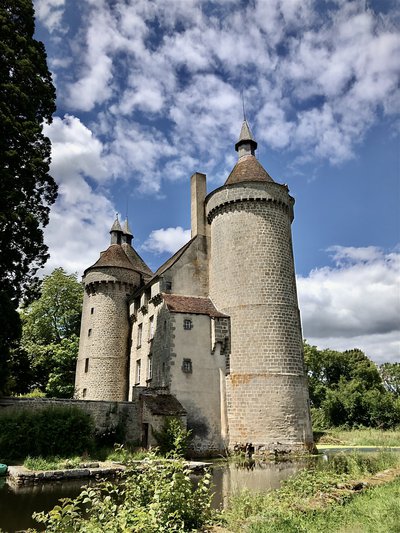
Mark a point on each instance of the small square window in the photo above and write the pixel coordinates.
(168, 285)
(187, 366)
(187, 324)
(87, 365)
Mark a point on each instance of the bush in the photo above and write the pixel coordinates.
(156, 496)
(46, 432)
(173, 437)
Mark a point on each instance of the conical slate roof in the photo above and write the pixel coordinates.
(126, 229)
(116, 226)
(246, 136)
(114, 256)
(248, 168)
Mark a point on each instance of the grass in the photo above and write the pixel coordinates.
(322, 499)
(118, 454)
(359, 437)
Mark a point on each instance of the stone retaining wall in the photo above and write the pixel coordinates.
(106, 415)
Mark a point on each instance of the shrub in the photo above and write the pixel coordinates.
(157, 496)
(46, 432)
(173, 437)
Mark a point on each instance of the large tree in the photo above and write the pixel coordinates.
(27, 100)
(46, 357)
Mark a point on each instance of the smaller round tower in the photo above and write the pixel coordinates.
(101, 372)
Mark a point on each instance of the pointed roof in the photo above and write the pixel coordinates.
(137, 262)
(248, 168)
(116, 225)
(114, 256)
(126, 229)
(246, 136)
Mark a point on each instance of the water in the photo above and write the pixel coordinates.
(18, 503)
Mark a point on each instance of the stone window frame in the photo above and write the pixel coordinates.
(187, 324)
(139, 335)
(168, 285)
(138, 369)
(149, 367)
(86, 365)
(187, 366)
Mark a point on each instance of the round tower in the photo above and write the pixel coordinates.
(252, 279)
(101, 372)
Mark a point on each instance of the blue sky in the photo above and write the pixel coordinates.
(148, 92)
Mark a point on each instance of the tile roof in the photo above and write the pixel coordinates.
(163, 404)
(248, 168)
(114, 256)
(136, 261)
(191, 305)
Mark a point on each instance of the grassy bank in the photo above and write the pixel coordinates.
(358, 437)
(325, 499)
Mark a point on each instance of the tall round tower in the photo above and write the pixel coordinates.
(101, 372)
(252, 279)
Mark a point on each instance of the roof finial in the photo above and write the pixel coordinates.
(244, 112)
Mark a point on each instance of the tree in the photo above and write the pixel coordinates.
(27, 99)
(346, 389)
(50, 338)
(390, 374)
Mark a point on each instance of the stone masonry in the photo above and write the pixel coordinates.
(214, 335)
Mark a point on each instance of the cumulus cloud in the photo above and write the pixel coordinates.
(315, 79)
(50, 13)
(355, 302)
(79, 219)
(166, 240)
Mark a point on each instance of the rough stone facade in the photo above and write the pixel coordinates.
(217, 326)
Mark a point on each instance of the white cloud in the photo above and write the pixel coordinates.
(357, 302)
(80, 218)
(50, 13)
(166, 240)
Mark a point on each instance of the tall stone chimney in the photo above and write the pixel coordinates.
(198, 191)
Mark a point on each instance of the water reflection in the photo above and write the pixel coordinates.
(18, 503)
(253, 475)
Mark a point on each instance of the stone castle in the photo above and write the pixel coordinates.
(214, 335)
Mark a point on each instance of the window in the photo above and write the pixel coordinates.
(187, 366)
(87, 365)
(92, 310)
(187, 323)
(168, 285)
(89, 333)
(84, 393)
(151, 328)
(138, 365)
(149, 367)
(139, 335)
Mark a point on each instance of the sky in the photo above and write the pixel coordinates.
(149, 92)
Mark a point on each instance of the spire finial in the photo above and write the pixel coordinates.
(244, 111)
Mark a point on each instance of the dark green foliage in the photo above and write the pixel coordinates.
(45, 432)
(27, 99)
(155, 496)
(173, 437)
(346, 389)
(46, 356)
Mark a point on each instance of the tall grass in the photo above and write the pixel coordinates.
(305, 500)
(361, 437)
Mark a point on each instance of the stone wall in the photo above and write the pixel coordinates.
(252, 280)
(106, 415)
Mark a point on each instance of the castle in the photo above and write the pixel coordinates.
(214, 335)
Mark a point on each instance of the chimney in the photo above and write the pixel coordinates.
(198, 191)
